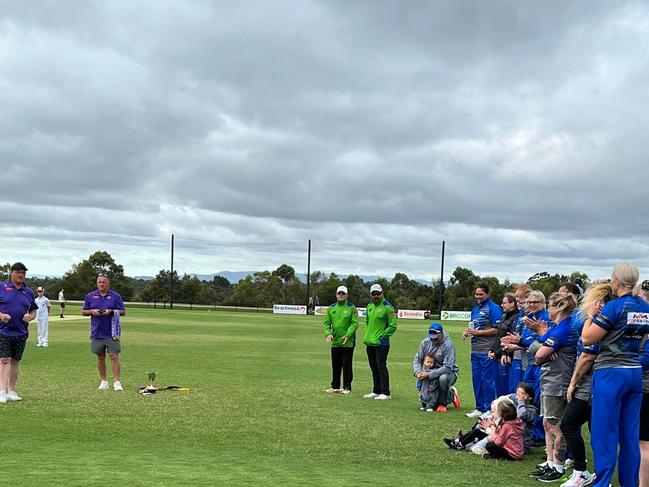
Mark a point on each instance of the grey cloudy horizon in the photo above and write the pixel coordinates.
(515, 131)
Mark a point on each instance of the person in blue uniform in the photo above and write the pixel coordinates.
(482, 328)
(617, 379)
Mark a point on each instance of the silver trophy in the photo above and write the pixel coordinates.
(152, 376)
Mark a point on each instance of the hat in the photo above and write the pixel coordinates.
(341, 289)
(376, 287)
(18, 266)
(435, 329)
(40, 289)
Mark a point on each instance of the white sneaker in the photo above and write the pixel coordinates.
(331, 390)
(118, 386)
(12, 396)
(569, 463)
(38, 344)
(44, 345)
(383, 397)
(430, 410)
(345, 391)
(103, 385)
(579, 479)
(371, 395)
(3, 398)
(474, 414)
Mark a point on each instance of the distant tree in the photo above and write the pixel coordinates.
(461, 288)
(190, 288)
(222, 289)
(546, 283)
(359, 294)
(5, 271)
(285, 272)
(82, 278)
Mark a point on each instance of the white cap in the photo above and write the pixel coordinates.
(341, 288)
(376, 287)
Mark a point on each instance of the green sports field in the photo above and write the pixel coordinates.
(256, 414)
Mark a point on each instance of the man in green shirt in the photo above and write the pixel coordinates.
(380, 325)
(340, 326)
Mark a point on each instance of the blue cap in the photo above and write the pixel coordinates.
(435, 329)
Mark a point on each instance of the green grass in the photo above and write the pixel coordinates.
(257, 413)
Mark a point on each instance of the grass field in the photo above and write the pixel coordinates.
(257, 413)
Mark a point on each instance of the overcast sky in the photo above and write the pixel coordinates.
(516, 131)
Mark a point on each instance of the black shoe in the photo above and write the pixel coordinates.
(552, 476)
(540, 471)
(453, 445)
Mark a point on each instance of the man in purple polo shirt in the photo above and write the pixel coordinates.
(17, 309)
(104, 307)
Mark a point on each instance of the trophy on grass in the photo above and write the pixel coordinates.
(152, 376)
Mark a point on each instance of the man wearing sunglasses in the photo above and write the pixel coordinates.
(380, 325)
(340, 325)
(17, 309)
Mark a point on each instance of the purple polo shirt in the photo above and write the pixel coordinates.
(100, 326)
(16, 302)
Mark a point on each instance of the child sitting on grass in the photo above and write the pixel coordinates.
(507, 439)
(428, 389)
(476, 439)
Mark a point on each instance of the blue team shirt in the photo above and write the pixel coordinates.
(483, 317)
(101, 326)
(626, 321)
(528, 336)
(15, 302)
(556, 374)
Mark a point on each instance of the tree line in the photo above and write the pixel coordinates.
(282, 286)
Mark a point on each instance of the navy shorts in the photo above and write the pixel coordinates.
(12, 347)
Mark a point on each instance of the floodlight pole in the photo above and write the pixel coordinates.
(171, 275)
(308, 276)
(441, 282)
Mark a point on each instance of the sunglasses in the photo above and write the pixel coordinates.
(341, 293)
(645, 285)
(534, 302)
(375, 293)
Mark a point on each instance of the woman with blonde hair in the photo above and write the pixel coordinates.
(617, 379)
(578, 410)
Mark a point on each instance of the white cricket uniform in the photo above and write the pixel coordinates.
(42, 320)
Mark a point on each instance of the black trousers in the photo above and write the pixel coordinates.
(577, 413)
(474, 435)
(378, 359)
(341, 360)
(497, 451)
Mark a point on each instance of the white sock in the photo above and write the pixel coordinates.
(549, 463)
(558, 468)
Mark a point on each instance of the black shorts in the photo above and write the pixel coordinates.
(62, 305)
(644, 418)
(12, 347)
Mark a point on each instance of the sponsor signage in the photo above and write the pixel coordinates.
(289, 309)
(413, 314)
(322, 311)
(456, 315)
